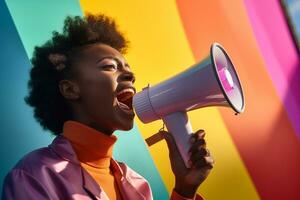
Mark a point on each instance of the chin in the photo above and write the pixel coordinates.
(126, 126)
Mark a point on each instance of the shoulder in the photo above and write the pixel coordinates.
(19, 184)
(36, 160)
(46, 161)
(27, 175)
(44, 172)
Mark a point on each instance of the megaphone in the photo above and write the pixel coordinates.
(211, 82)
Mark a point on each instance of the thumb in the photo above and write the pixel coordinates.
(173, 150)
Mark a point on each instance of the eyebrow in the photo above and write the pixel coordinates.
(115, 59)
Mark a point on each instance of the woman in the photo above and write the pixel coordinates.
(81, 89)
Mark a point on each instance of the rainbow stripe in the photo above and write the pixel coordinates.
(256, 153)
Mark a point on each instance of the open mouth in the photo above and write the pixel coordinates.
(125, 98)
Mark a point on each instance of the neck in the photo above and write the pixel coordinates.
(83, 118)
(91, 146)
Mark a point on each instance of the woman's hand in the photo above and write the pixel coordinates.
(187, 180)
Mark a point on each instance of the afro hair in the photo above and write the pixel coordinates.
(51, 63)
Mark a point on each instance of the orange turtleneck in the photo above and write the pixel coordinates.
(94, 151)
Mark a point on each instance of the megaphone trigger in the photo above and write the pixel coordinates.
(155, 138)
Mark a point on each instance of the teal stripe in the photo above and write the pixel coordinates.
(18, 129)
(21, 28)
(35, 20)
(132, 150)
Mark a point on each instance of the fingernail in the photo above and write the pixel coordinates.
(202, 134)
(192, 140)
(200, 148)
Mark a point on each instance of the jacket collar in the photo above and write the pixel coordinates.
(63, 148)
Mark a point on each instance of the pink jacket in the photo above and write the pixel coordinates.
(55, 173)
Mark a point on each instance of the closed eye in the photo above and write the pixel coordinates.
(109, 67)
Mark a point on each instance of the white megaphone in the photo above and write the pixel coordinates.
(212, 82)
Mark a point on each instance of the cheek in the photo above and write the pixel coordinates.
(98, 91)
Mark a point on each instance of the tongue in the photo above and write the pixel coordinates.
(126, 98)
(128, 102)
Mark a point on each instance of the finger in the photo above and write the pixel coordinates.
(200, 133)
(199, 155)
(198, 163)
(196, 146)
(206, 161)
(197, 135)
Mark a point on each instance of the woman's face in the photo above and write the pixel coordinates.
(104, 84)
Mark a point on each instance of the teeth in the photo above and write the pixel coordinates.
(126, 90)
(125, 94)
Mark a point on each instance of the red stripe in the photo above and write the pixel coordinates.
(263, 135)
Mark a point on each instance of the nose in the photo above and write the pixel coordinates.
(127, 76)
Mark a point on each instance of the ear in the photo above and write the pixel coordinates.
(69, 89)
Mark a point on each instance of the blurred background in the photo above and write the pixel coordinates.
(257, 153)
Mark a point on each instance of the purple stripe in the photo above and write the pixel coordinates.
(279, 52)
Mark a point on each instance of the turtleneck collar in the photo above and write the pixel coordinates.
(91, 146)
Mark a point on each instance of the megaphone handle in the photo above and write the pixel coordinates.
(179, 126)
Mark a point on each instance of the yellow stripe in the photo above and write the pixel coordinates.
(159, 49)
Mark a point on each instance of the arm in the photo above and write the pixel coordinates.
(19, 184)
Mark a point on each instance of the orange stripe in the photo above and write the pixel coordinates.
(263, 134)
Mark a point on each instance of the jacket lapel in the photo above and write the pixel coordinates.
(91, 186)
(124, 182)
(63, 148)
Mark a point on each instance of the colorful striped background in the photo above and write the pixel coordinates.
(257, 153)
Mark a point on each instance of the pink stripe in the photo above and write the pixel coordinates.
(279, 52)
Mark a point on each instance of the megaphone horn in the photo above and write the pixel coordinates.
(211, 82)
